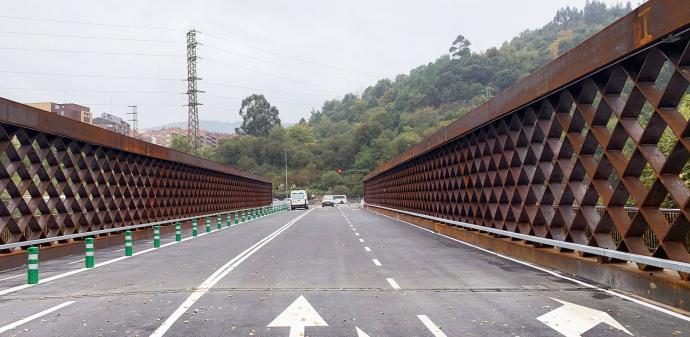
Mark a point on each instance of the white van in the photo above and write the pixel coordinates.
(298, 199)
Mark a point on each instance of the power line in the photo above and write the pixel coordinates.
(88, 37)
(88, 23)
(89, 52)
(274, 101)
(254, 58)
(288, 56)
(269, 74)
(95, 90)
(170, 79)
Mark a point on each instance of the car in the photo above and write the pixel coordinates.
(340, 199)
(327, 201)
(298, 199)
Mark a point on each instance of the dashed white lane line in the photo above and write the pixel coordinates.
(431, 326)
(376, 262)
(354, 229)
(119, 250)
(393, 283)
(11, 277)
(356, 233)
(550, 272)
(77, 261)
(367, 249)
(361, 240)
(34, 316)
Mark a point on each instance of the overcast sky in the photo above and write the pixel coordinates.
(298, 53)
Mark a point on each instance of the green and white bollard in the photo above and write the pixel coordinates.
(228, 220)
(208, 225)
(129, 250)
(89, 259)
(156, 236)
(235, 216)
(178, 231)
(32, 272)
(195, 224)
(219, 222)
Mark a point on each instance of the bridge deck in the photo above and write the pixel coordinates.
(349, 283)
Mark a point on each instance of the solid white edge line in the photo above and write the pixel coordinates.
(433, 328)
(105, 263)
(219, 274)
(376, 262)
(34, 316)
(551, 272)
(393, 284)
(77, 261)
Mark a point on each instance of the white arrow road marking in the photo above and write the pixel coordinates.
(34, 316)
(297, 316)
(361, 333)
(572, 320)
(431, 326)
(220, 274)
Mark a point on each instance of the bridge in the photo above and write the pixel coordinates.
(561, 207)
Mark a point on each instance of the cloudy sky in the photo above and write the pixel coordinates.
(110, 54)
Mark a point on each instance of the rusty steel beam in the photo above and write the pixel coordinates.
(568, 151)
(59, 177)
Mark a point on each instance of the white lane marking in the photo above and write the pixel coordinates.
(119, 250)
(553, 273)
(573, 320)
(77, 271)
(356, 233)
(34, 316)
(11, 277)
(77, 261)
(354, 229)
(376, 262)
(361, 240)
(361, 333)
(297, 316)
(431, 326)
(219, 274)
(393, 283)
(367, 249)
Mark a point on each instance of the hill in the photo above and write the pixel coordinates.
(358, 132)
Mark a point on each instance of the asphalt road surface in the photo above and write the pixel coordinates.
(339, 271)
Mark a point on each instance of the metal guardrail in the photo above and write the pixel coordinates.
(113, 230)
(647, 260)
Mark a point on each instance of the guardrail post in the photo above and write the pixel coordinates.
(156, 236)
(195, 224)
(32, 272)
(208, 224)
(219, 222)
(178, 231)
(129, 250)
(89, 259)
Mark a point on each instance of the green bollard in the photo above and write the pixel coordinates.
(156, 236)
(129, 250)
(178, 231)
(219, 222)
(32, 272)
(208, 225)
(89, 260)
(235, 217)
(195, 223)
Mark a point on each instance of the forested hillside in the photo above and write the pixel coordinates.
(358, 132)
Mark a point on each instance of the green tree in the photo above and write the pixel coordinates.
(258, 116)
(179, 143)
(460, 47)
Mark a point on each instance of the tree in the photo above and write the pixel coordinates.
(258, 116)
(179, 143)
(460, 47)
